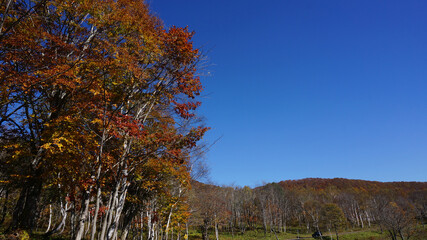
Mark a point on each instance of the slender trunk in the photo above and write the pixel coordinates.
(216, 230)
(275, 234)
(368, 218)
(393, 235)
(107, 217)
(401, 235)
(142, 225)
(98, 175)
(83, 215)
(168, 222)
(336, 232)
(361, 217)
(125, 233)
(50, 218)
(149, 225)
(118, 203)
(89, 217)
(112, 231)
(60, 227)
(264, 221)
(357, 216)
(284, 226)
(95, 216)
(4, 15)
(178, 237)
(73, 222)
(205, 231)
(186, 229)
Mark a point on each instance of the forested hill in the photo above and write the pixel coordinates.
(351, 184)
(310, 204)
(341, 184)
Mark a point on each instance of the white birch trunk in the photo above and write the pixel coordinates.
(216, 230)
(107, 216)
(83, 217)
(50, 218)
(95, 216)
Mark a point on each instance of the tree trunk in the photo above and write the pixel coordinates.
(61, 225)
(393, 235)
(169, 221)
(284, 226)
(368, 218)
(178, 234)
(130, 213)
(83, 216)
(95, 216)
(361, 217)
(336, 232)
(142, 225)
(4, 207)
(186, 229)
(401, 235)
(216, 230)
(112, 230)
(50, 218)
(149, 225)
(26, 209)
(73, 222)
(205, 228)
(107, 217)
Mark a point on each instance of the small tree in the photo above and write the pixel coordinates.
(399, 220)
(332, 216)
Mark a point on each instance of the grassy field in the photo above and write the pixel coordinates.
(354, 234)
(249, 235)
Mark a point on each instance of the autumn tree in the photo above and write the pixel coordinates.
(91, 92)
(208, 208)
(333, 217)
(399, 220)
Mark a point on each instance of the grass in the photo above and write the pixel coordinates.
(194, 234)
(366, 234)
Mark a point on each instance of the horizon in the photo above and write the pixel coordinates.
(308, 178)
(301, 89)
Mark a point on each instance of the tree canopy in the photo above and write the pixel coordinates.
(97, 108)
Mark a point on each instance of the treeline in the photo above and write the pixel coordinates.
(98, 132)
(310, 205)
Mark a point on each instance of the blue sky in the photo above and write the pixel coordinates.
(311, 88)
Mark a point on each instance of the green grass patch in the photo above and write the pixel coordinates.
(367, 234)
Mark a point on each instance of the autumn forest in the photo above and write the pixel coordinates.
(101, 139)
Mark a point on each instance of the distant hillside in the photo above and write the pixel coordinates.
(347, 184)
(311, 204)
(339, 184)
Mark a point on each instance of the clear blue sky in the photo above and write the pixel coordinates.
(311, 88)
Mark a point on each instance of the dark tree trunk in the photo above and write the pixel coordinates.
(205, 229)
(336, 232)
(26, 210)
(130, 211)
(4, 211)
